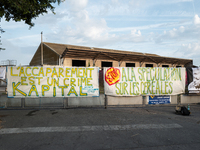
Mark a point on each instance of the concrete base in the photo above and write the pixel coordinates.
(87, 101)
(3, 101)
(174, 99)
(13, 102)
(9, 102)
(129, 100)
(189, 99)
(41, 102)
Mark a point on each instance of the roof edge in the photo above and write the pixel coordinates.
(50, 48)
(113, 51)
(35, 53)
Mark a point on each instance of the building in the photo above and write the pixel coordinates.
(71, 55)
(5, 63)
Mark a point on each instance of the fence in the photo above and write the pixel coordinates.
(103, 100)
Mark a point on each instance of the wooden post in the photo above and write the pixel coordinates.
(93, 63)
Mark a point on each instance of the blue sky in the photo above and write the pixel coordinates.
(164, 27)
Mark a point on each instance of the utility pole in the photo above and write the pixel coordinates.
(41, 50)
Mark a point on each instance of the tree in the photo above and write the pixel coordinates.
(25, 10)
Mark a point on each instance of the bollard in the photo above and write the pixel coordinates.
(188, 107)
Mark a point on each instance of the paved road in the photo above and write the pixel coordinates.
(151, 128)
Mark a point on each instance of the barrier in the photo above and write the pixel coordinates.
(100, 101)
(185, 99)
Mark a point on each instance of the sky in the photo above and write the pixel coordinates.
(164, 27)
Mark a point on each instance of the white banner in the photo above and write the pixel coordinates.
(2, 72)
(133, 81)
(194, 86)
(52, 81)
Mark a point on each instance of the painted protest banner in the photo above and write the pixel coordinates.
(161, 99)
(193, 80)
(51, 81)
(133, 81)
(2, 73)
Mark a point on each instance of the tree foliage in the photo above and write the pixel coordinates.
(25, 10)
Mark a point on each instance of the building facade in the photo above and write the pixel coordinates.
(81, 56)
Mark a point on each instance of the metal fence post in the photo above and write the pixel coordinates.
(143, 100)
(66, 102)
(22, 102)
(106, 101)
(179, 99)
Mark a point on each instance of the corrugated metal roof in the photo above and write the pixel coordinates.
(59, 48)
(73, 51)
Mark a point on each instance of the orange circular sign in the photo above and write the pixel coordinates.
(112, 76)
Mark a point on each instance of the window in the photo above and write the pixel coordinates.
(149, 65)
(130, 64)
(106, 64)
(78, 63)
(178, 66)
(165, 66)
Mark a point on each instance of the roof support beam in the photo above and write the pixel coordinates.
(112, 58)
(119, 63)
(121, 60)
(141, 63)
(94, 61)
(95, 57)
(153, 60)
(175, 63)
(188, 64)
(158, 64)
(64, 53)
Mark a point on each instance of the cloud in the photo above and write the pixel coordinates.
(77, 5)
(23, 55)
(136, 33)
(82, 29)
(117, 24)
(136, 3)
(182, 29)
(31, 40)
(196, 20)
(191, 50)
(135, 36)
(12, 24)
(182, 33)
(115, 2)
